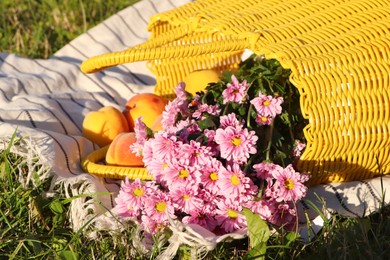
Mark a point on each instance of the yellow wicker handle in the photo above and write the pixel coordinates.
(91, 165)
(135, 54)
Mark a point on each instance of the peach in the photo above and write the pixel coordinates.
(102, 126)
(157, 125)
(119, 152)
(148, 105)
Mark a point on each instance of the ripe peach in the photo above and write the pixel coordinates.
(119, 152)
(157, 125)
(102, 126)
(147, 105)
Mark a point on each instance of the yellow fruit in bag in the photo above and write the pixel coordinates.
(102, 126)
(198, 80)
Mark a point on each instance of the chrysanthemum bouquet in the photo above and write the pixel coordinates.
(231, 146)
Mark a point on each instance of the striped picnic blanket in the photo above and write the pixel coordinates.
(47, 100)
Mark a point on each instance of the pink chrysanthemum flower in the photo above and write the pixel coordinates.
(140, 130)
(283, 214)
(230, 120)
(289, 185)
(123, 207)
(209, 197)
(180, 91)
(235, 92)
(151, 226)
(175, 107)
(140, 135)
(233, 183)
(165, 145)
(186, 198)
(156, 168)
(131, 198)
(211, 175)
(159, 207)
(195, 153)
(178, 173)
(267, 105)
(185, 128)
(147, 151)
(265, 170)
(137, 192)
(236, 144)
(228, 217)
(202, 217)
(298, 148)
(213, 110)
(263, 120)
(260, 207)
(210, 135)
(170, 113)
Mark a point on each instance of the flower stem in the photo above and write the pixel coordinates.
(248, 116)
(225, 110)
(269, 140)
(289, 113)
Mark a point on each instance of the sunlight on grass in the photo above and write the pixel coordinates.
(34, 225)
(37, 29)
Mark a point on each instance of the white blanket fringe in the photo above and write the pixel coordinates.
(199, 239)
(31, 159)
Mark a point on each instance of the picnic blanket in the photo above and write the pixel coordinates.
(46, 101)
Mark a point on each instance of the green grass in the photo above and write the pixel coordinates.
(38, 28)
(35, 226)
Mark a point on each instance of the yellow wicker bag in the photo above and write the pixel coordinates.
(338, 52)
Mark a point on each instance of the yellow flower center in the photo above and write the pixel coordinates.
(161, 206)
(138, 192)
(236, 141)
(266, 103)
(264, 118)
(235, 180)
(232, 214)
(165, 165)
(183, 173)
(186, 197)
(288, 184)
(213, 176)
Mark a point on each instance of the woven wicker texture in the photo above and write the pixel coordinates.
(338, 51)
(92, 164)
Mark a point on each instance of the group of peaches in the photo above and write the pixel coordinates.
(114, 128)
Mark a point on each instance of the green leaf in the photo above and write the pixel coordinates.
(206, 123)
(258, 252)
(57, 207)
(68, 255)
(35, 245)
(291, 237)
(285, 118)
(258, 230)
(242, 111)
